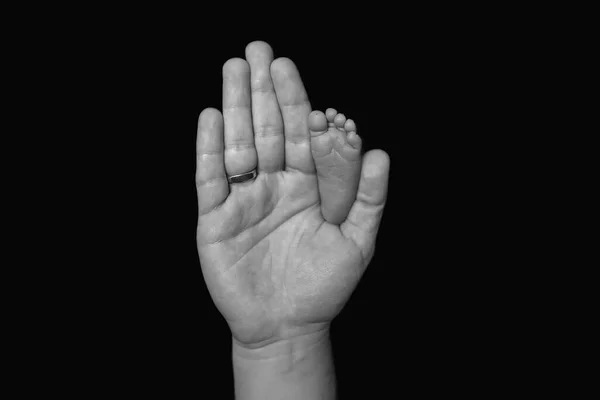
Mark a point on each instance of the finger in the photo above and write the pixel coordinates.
(211, 182)
(362, 222)
(295, 107)
(266, 117)
(240, 154)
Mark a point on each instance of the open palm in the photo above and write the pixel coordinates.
(274, 267)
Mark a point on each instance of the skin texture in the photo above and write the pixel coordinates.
(275, 268)
(335, 146)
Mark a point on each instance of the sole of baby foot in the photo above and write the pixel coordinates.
(336, 150)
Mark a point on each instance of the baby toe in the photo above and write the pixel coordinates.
(354, 140)
(330, 113)
(350, 126)
(339, 120)
(317, 122)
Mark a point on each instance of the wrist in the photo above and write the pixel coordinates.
(294, 343)
(298, 367)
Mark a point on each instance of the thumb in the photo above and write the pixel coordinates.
(362, 222)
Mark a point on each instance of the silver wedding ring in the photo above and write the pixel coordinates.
(248, 176)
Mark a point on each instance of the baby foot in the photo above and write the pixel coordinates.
(336, 150)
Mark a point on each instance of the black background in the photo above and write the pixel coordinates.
(421, 318)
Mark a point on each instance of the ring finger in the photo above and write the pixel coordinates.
(240, 153)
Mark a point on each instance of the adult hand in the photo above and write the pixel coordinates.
(274, 267)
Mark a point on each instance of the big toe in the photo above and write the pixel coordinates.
(317, 123)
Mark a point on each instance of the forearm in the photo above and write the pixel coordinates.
(299, 368)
